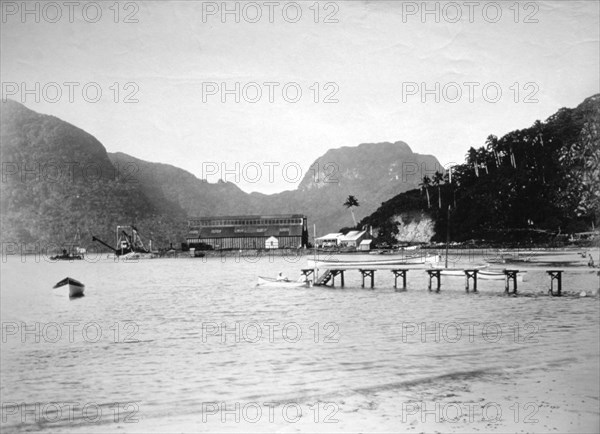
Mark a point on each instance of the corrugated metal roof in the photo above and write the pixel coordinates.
(352, 236)
(331, 236)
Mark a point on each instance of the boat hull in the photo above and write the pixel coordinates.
(134, 256)
(76, 290)
(270, 282)
(498, 275)
(335, 263)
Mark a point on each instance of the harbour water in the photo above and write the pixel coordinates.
(171, 339)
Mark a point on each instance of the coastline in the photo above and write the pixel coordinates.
(533, 401)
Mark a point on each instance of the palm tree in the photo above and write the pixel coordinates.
(472, 159)
(350, 203)
(425, 183)
(438, 177)
(448, 180)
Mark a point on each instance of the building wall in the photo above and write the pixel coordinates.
(248, 232)
(245, 243)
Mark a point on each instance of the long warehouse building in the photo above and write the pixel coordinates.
(248, 232)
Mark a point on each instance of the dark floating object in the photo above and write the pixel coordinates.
(76, 288)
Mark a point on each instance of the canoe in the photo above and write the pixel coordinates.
(76, 288)
(498, 275)
(365, 263)
(272, 282)
(460, 272)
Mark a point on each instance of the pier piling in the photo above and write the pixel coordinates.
(555, 275)
(400, 272)
(468, 275)
(437, 274)
(508, 276)
(335, 273)
(368, 273)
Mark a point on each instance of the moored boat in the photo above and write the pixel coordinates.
(460, 272)
(337, 263)
(76, 288)
(273, 282)
(498, 275)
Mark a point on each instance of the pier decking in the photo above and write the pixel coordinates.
(471, 274)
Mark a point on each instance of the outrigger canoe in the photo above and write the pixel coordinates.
(483, 274)
(340, 263)
(76, 288)
(498, 275)
(272, 282)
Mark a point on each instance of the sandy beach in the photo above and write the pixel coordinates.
(536, 401)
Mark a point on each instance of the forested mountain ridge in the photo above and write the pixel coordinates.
(535, 182)
(58, 179)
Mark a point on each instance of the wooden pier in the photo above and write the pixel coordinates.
(471, 274)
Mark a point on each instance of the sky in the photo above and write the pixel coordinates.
(367, 72)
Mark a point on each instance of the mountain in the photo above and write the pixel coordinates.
(171, 189)
(58, 179)
(373, 172)
(528, 185)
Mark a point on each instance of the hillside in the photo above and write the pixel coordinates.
(174, 190)
(58, 178)
(320, 195)
(530, 184)
(372, 172)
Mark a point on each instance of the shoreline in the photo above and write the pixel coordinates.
(495, 401)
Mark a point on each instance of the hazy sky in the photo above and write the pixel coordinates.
(371, 57)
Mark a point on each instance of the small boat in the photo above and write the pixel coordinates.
(76, 288)
(337, 263)
(498, 275)
(66, 256)
(460, 272)
(134, 256)
(273, 282)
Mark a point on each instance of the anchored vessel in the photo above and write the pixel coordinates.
(129, 244)
(75, 252)
(76, 288)
(272, 282)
